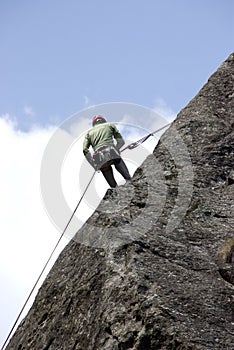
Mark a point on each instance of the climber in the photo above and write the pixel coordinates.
(106, 149)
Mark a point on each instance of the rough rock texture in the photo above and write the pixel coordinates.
(154, 271)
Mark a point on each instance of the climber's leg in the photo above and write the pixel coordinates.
(109, 176)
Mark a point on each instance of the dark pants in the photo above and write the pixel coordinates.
(120, 166)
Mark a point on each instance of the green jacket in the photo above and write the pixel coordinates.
(102, 135)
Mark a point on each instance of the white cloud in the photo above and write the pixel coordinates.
(87, 101)
(164, 110)
(80, 126)
(28, 111)
(26, 233)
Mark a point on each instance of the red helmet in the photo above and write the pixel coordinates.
(98, 119)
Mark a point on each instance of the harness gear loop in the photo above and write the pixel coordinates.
(105, 156)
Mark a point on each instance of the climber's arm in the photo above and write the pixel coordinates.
(87, 154)
(119, 139)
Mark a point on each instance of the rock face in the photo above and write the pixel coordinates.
(153, 267)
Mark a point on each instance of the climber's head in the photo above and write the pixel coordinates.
(98, 119)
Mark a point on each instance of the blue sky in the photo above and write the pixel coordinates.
(59, 57)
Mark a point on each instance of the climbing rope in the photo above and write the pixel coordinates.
(130, 147)
(139, 142)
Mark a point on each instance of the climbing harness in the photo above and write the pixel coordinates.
(105, 155)
(130, 147)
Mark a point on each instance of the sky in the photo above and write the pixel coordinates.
(65, 58)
